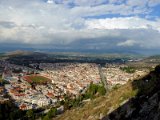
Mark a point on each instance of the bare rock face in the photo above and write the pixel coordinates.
(149, 109)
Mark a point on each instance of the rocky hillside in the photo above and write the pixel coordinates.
(137, 100)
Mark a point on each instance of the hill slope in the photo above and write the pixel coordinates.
(138, 99)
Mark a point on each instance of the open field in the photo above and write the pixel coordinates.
(36, 79)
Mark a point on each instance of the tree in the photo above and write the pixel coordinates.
(101, 90)
(157, 69)
(30, 114)
(52, 112)
(92, 90)
(46, 118)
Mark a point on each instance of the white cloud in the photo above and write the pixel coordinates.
(50, 1)
(127, 43)
(121, 9)
(122, 23)
(141, 3)
(152, 3)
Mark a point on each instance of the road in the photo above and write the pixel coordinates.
(103, 78)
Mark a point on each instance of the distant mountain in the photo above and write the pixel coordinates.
(18, 52)
(79, 47)
(154, 57)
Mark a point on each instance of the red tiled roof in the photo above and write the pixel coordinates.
(23, 106)
(18, 94)
(50, 94)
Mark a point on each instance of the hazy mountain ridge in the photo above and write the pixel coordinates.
(18, 52)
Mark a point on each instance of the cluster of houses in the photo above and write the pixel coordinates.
(71, 77)
(24, 95)
(114, 75)
(65, 78)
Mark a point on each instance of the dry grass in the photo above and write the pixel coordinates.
(102, 105)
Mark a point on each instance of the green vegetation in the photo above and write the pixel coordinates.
(38, 79)
(72, 103)
(52, 113)
(2, 82)
(30, 114)
(92, 92)
(115, 87)
(128, 69)
(8, 111)
(95, 90)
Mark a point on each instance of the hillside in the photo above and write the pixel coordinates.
(138, 99)
(17, 52)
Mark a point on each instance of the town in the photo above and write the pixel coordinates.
(33, 88)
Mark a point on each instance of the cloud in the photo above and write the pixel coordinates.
(116, 1)
(50, 1)
(152, 3)
(89, 2)
(140, 3)
(79, 2)
(7, 24)
(127, 43)
(68, 22)
(121, 9)
(122, 23)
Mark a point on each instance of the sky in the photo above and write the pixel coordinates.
(122, 25)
